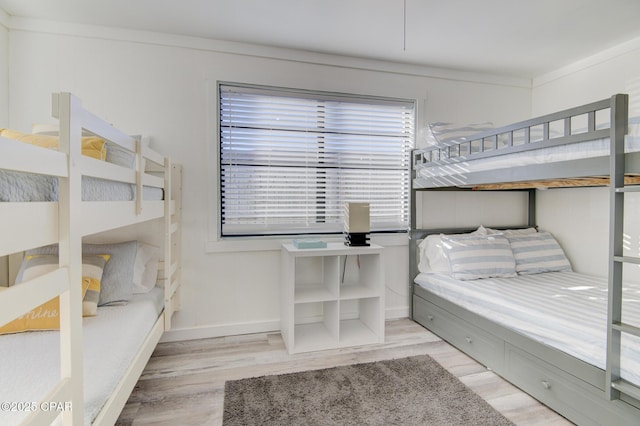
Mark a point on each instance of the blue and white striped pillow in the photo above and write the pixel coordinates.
(479, 256)
(537, 253)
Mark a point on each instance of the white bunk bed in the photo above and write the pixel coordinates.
(502, 322)
(83, 364)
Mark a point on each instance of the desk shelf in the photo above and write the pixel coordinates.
(319, 311)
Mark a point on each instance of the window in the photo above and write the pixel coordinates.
(290, 159)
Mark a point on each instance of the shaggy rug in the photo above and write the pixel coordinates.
(408, 391)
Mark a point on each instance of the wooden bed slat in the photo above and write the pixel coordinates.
(172, 270)
(557, 183)
(173, 287)
(23, 157)
(628, 259)
(627, 388)
(27, 225)
(121, 213)
(98, 127)
(20, 299)
(109, 171)
(627, 328)
(150, 180)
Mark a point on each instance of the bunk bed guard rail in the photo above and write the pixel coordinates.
(524, 136)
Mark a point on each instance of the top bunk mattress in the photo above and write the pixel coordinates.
(459, 171)
(23, 187)
(16, 186)
(564, 310)
(30, 364)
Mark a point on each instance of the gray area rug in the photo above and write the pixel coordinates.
(408, 391)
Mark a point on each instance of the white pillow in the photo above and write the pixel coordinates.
(446, 134)
(145, 269)
(479, 256)
(432, 256)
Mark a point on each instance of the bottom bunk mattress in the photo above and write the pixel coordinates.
(30, 364)
(564, 310)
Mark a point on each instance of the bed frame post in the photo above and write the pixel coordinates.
(413, 267)
(413, 246)
(531, 211)
(168, 249)
(68, 109)
(139, 164)
(171, 273)
(618, 128)
(176, 196)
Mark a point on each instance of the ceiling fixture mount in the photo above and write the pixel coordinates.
(404, 27)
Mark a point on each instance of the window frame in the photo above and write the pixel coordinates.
(231, 241)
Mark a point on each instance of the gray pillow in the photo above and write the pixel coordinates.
(120, 156)
(117, 279)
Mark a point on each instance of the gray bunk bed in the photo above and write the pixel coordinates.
(582, 392)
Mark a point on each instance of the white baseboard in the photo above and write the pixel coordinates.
(397, 312)
(205, 332)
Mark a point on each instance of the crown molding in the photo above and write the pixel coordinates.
(255, 50)
(625, 48)
(4, 18)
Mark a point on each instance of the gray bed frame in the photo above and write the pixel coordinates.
(579, 391)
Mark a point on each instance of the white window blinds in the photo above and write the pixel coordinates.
(289, 160)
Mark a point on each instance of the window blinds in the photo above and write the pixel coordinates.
(289, 160)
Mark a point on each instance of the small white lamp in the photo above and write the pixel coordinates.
(357, 224)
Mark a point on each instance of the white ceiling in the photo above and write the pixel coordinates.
(504, 37)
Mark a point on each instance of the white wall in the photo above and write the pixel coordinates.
(4, 109)
(579, 217)
(4, 69)
(613, 71)
(161, 85)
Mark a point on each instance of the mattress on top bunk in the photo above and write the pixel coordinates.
(22, 187)
(564, 310)
(30, 364)
(567, 152)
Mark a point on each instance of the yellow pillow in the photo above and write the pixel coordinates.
(47, 315)
(92, 146)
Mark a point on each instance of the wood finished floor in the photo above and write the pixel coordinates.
(183, 382)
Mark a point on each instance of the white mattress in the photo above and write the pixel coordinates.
(30, 362)
(23, 187)
(574, 151)
(564, 310)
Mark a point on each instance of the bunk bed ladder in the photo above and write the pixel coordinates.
(171, 269)
(615, 327)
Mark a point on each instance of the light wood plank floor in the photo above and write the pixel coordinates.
(184, 381)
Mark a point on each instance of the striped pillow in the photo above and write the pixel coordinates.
(47, 315)
(537, 253)
(479, 256)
